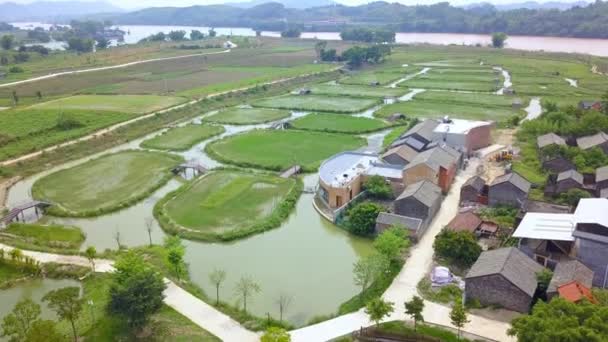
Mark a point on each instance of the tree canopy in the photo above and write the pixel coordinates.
(460, 248)
(362, 218)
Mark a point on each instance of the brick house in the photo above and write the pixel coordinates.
(509, 189)
(504, 277)
(420, 200)
(437, 165)
(474, 190)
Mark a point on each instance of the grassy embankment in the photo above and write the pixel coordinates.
(48, 238)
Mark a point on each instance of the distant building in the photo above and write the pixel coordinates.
(504, 277)
(420, 200)
(396, 117)
(590, 105)
(229, 45)
(509, 189)
(437, 165)
(597, 140)
(517, 103)
(550, 139)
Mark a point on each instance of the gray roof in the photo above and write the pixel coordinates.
(601, 174)
(410, 223)
(475, 182)
(570, 174)
(590, 141)
(569, 270)
(438, 156)
(515, 179)
(424, 191)
(549, 139)
(423, 129)
(531, 206)
(512, 264)
(405, 152)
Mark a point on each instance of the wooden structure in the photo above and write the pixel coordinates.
(195, 168)
(19, 211)
(292, 171)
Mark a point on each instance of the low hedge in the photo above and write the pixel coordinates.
(274, 220)
(58, 211)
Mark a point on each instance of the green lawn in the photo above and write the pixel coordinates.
(182, 138)
(41, 236)
(136, 104)
(282, 148)
(247, 116)
(318, 103)
(432, 109)
(338, 123)
(356, 90)
(227, 200)
(30, 129)
(105, 184)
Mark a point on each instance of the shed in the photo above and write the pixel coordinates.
(400, 155)
(557, 164)
(419, 200)
(588, 105)
(504, 277)
(601, 178)
(509, 189)
(396, 117)
(550, 139)
(387, 220)
(517, 103)
(568, 180)
(423, 131)
(567, 271)
(574, 292)
(474, 190)
(596, 140)
(467, 221)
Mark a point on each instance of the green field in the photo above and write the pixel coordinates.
(338, 123)
(136, 104)
(431, 83)
(356, 90)
(105, 184)
(282, 149)
(227, 200)
(182, 138)
(469, 98)
(29, 129)
(318, 103)
(247, 116)
(52, 236)
(373, 77)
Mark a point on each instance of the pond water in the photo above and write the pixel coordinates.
(33, 289)
(598, 47)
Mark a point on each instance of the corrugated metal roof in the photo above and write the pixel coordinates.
(424, 191)
(546, 226)
(592, 210)
(512, 264)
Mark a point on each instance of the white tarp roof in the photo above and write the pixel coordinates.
(592, 210)
(546, 226)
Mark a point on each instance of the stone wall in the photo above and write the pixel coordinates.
(496, 290)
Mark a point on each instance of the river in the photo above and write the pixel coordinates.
(598, 47)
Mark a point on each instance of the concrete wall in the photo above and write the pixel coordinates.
(506, 194)
(343, 193)
(496, 290)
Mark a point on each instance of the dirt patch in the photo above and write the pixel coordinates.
(501, 315)
(5, 185)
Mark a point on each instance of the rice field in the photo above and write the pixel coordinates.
(182, 138)
(338, 123)
(247, 116)
(356, 90)
(136, 104)
(318, 103)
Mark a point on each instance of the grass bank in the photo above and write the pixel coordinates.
(51, 238)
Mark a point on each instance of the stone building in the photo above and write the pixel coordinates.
(474, 190)
(419, 200)
(509, 189)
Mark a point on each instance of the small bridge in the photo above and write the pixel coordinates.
(292, 171)
(19, 211)
(194, 167)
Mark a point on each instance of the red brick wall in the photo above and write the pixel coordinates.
(479, 137)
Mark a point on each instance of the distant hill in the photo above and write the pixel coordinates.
(533, 5)
(300, 4)
(56, 10)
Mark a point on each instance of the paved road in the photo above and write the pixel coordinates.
(199, 312)
(403, 287)
(118, 66)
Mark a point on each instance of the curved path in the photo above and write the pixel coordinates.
(199, 312)
(118, 66)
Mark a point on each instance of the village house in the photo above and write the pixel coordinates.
(419, 136)
(465, 136)
(509, 189)
(466, 221)
(568, 271)
(549, 139)
(420, 200)
(474, 190)
(400, 155)
(596, 140)
(504, 277)
(556, 164)
(564, 182)
(589, 105)
(601, 180)
(413, 225)
(591, 233)
(341, 177)
(437, 165)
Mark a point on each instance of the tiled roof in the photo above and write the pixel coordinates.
(423, 129)
(515, 179)
(444, 156)
(569, 270)
(592, 140)
(424, 191)
(512, 264)
(475, 182)
(601, 174)
(549, 139)
(405, 152)
(570, 174)
(410, 223)
(575, 291)
(467, 221)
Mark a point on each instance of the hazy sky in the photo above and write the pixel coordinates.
(128, 4)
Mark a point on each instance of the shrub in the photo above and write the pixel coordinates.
(377, 187)
(362, 218)
(66, 123)
(16, 70)
(459, 248)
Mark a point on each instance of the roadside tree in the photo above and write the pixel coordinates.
(377, 309)
(368, 270)
(414, 308)
(458, 315)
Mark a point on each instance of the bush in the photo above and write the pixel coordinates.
(362, 218)
(16, 70)
(377, 187)
(459, 248)
(66, 123)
